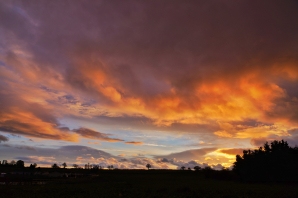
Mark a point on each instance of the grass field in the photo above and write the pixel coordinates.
(152, 183)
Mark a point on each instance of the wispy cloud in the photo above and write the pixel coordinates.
(194, 154)
(134, 143)
(3, 138)
(91, 134)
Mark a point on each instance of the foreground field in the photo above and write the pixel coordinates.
(152, 183)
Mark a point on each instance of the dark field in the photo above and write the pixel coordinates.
(152, 183)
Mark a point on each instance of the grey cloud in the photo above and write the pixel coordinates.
(3, 138)
(159, 34)
(258, 141)
(25, 147)
(191, 164)
(292, 139)
(217, 167)
(61, 154)
(77, 150)
(163, 160)
(285, 108)
(39, 160)
(189, 154)
(83, 154)
(141, 122)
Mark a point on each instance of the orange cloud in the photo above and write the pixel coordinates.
(167, 81)
(26, 123)
(89, 133)
(134, 143)
(233, 152)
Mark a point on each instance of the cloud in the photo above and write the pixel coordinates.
(3, 138)
(82, 155)
(25, 147)
(28, 124)
(76, 150)
(40, 160)
(134, 163)
(124, 87)
(190, 164)
(239, 65)
(292, 139)
(188, 155)
(134, 143)
(91, 134)
(22, 116)
(235, 151)
(258, 141)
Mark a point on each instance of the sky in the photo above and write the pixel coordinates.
(125, 83)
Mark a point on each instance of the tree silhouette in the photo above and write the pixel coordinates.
(197, 168)
(148, 166)
(64, 165)
(20, 164)
(182, 167)
(75, 166)
(33, 166)
(13, 162)
(55, 166)
(276, 161)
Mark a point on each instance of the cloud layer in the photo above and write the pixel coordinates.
(225, 71)
(82, 155)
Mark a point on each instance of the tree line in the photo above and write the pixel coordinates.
(276, 161)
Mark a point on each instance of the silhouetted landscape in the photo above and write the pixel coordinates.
(270, 171)
(149, 98)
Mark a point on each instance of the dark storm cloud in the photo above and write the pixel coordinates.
(164, 36)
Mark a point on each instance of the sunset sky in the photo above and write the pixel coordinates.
(125, 82)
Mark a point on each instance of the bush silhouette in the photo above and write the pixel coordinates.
(276, 161)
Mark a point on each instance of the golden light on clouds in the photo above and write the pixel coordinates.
(26, 123)
(155, 78)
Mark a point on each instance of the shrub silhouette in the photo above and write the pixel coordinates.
(276, 161)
